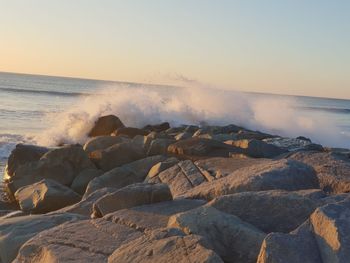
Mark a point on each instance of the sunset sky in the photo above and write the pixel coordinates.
(276, 46)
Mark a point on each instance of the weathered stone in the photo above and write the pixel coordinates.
(130, 196)
(232, 239)
(281, 174)
(105, 125)
(103, 142)
(159, 146)
(119, 177)
(14, 232)
(158, 127)
(45, 196)
(117, 155)
(248, 135)
(183, 136)
(163, 246)
(82, 180)
(161, 166)
(130, 132)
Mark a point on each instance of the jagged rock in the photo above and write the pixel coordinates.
(117, 155)
(130, 196)
(159, 146)
(257, 149)
(165, 246)
(271, 211)
(61, 164)
(45, 196)
(103, 142)
(119, 177)
(82, 180)
(198, 147)
(158, 127)
(232, 239)
(130, 132)
(22, 154)
(298, 246)
(82, 241)
(333, 170)
(249, 135)
(280, 174)
(14, 232)
(153, 216)
(105, 125)
(159, 167)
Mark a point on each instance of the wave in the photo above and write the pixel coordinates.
(327, 109)
(44, 92)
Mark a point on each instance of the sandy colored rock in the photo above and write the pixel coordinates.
(103, 142)
(105, 125)
(232, 239)
(161, 166)
(281, 174)
(130, 196)
(45, 196)
(82, 180)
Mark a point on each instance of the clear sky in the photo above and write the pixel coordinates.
(278, 46)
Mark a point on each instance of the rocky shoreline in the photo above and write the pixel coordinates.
(176, 194)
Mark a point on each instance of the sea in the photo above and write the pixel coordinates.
(49, 110)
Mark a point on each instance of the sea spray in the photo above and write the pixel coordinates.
(139, 106)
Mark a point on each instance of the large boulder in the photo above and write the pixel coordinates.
(14, 232)
(103, 142)
(159, 146)
(130, 132)
(232, 239)
(165, 246)
(160, 167)
(82, 180)
(157, 127)
(257, 149)
(130, 173)
(117, 155)
(105, 125)
(62, 165)
(130, 196)
(45, 196)
(22, 154)
(279, 174)
(199, 147)
(271, 211)
(333, 170)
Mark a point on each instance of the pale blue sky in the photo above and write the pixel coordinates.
(279, 46)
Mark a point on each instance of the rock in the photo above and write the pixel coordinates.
(232, 239)
(288, 144)
(152, 216)
(280, 174)
(120, 177)
(117, 155)
(45, 196)
(249, 135)
(333, 170)
(130, 132)
(14, 232)
(183, 136)
(161, 166)
(164, 247)
(298, 246)
(130, 196)
(82, 180)
(158, 127)
(270, 211)
(197, 147)
(22, 154)
(105, 125)
(82, 241)
(61, 164)
(159, 146)
(302, 138)
(257, 149)
(103, 142)
(331, 228)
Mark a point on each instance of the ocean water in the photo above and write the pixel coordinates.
(50, 110)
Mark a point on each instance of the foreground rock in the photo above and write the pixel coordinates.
(82, 180)
(231, 238)
(45, 196)
(165, 246)
(127, 174)
(61, 164)
(105, 125)
(281, 174)
(14, 232)
(333, 170)
(130, 196)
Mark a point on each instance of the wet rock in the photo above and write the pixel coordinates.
(105, 125)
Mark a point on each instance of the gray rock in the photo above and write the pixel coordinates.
(82, 180)
(103, 142)
(130, 132)
(159, 146)
(161, 166)
(105, 125)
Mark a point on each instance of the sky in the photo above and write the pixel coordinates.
(277, 46)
